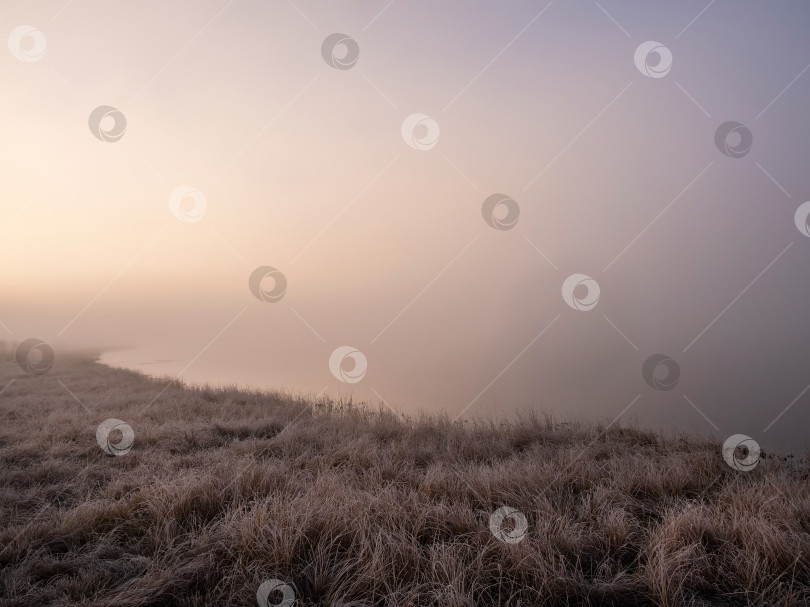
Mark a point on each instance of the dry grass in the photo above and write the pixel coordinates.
(226, 488)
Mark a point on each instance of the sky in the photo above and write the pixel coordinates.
(366, 182)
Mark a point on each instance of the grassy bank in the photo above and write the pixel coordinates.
(223, 490)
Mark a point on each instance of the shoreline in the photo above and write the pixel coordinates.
(500, 418)
(97, 356)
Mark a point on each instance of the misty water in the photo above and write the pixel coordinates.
(460, 389)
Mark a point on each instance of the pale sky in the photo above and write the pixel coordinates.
(304, 168)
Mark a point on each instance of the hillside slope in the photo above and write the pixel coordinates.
(224, 491)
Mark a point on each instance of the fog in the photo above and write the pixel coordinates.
(618, 175)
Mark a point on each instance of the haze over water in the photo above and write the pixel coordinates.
(304, 167)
